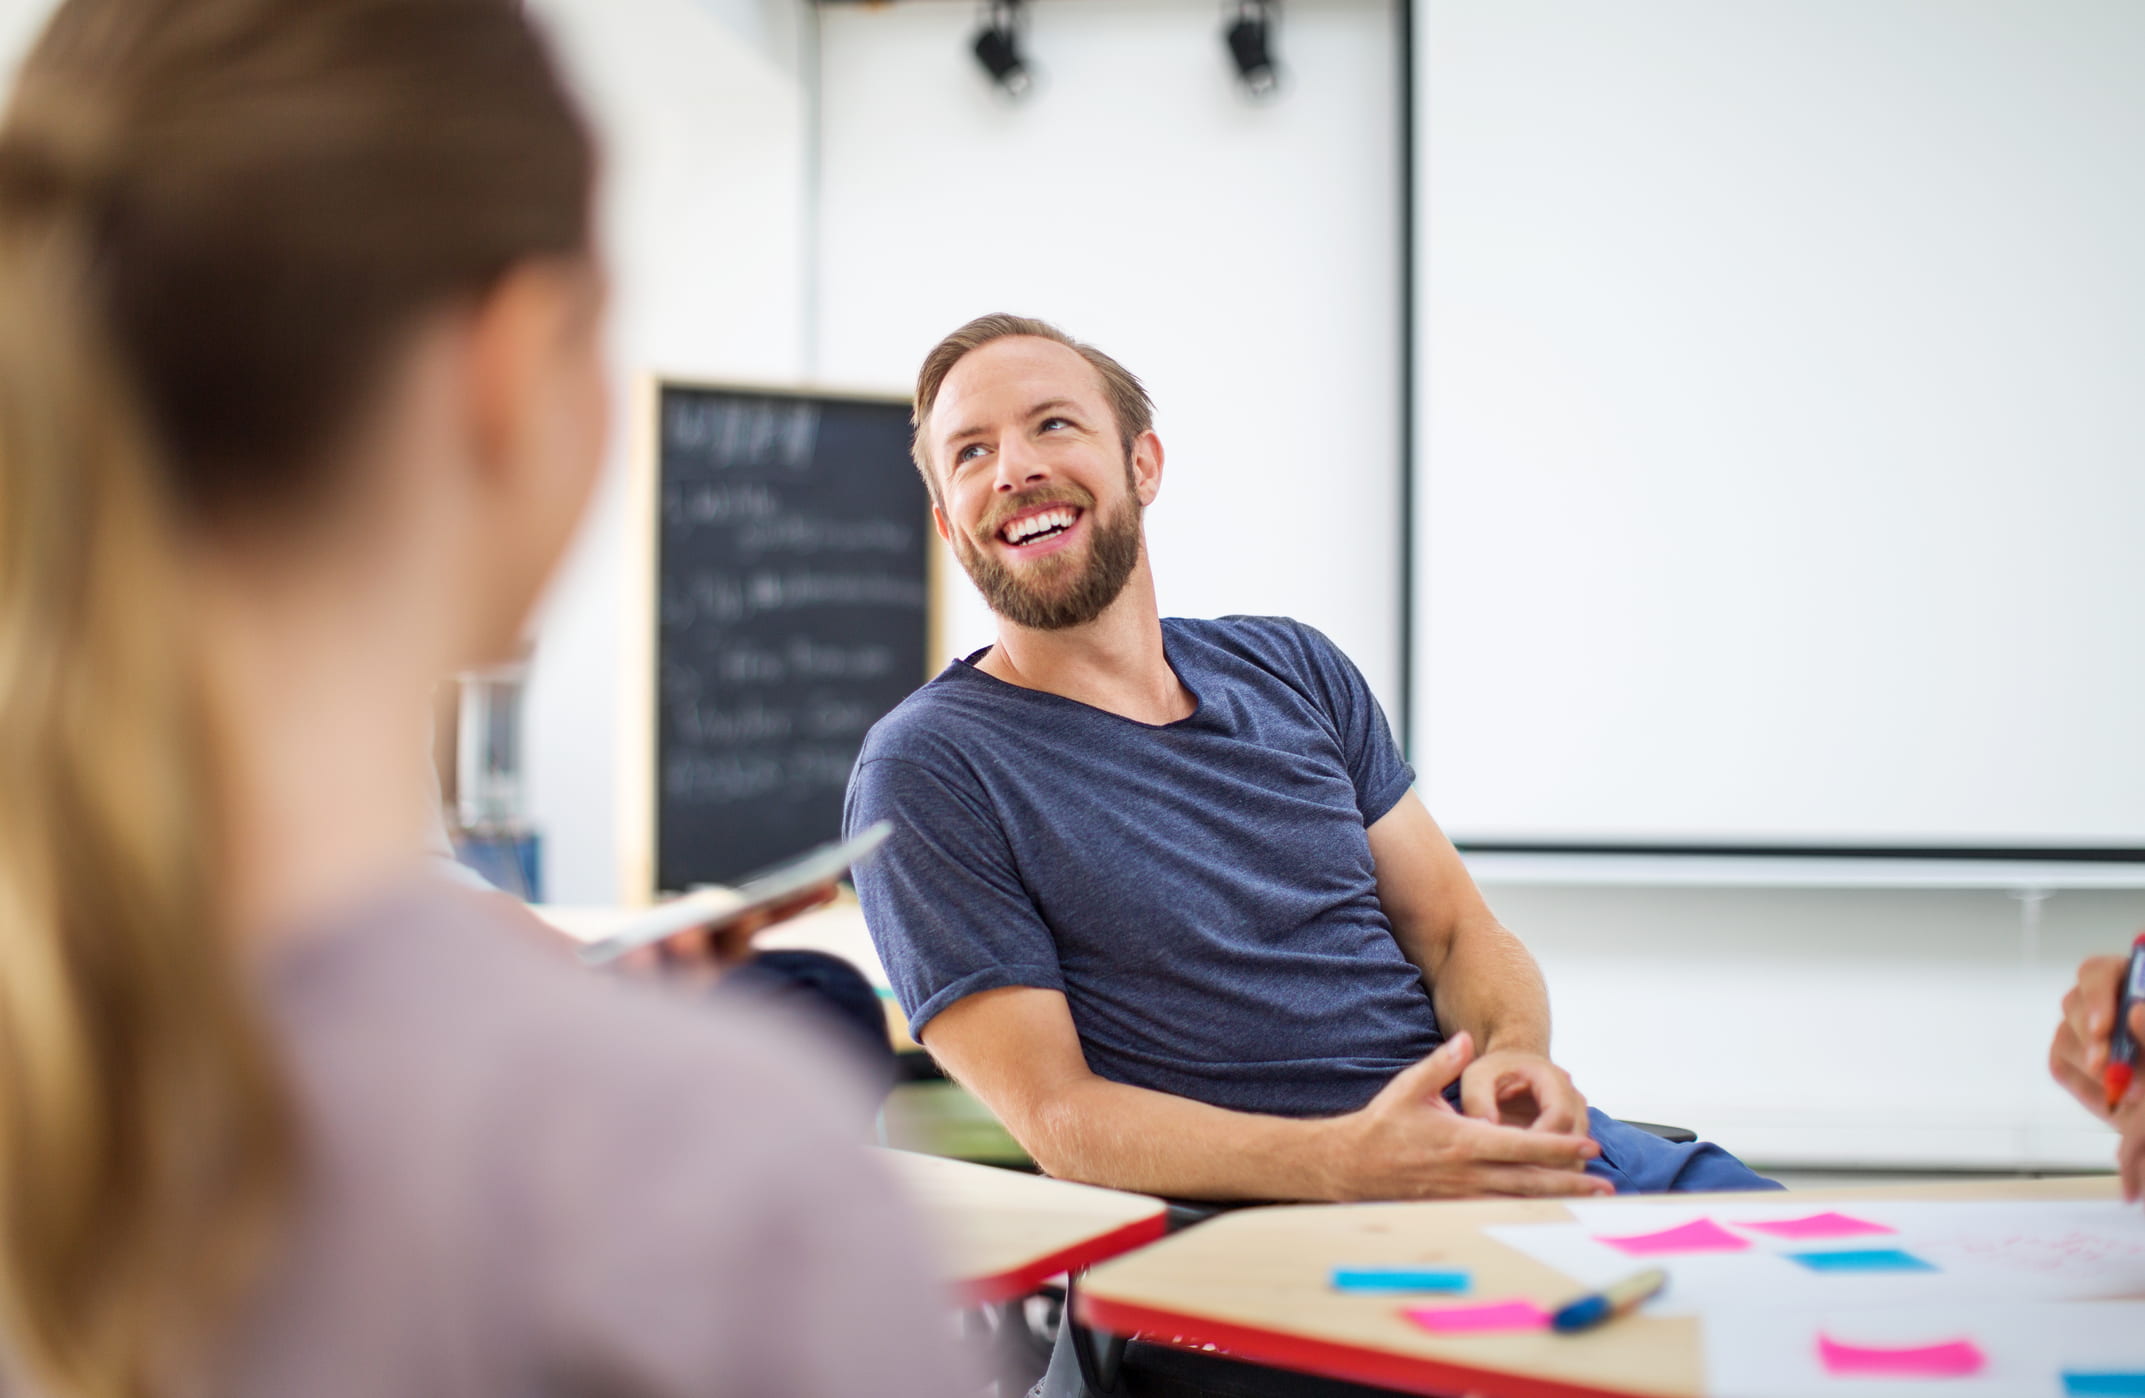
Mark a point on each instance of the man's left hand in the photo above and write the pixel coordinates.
(1513, 1088)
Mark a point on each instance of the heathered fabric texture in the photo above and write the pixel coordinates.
(528, 1178)
(1202, 892)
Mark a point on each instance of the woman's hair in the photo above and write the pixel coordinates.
(219, 222)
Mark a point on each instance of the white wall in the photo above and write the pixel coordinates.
(1825, 1027)
(703, 221)
(1780, 365)
(1241, 257)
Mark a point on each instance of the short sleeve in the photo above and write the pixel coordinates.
(943, 900)
(1375, 764)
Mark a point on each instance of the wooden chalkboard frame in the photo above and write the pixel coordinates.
(637, 735)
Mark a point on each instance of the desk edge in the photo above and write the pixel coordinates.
(1328, 1359)
(1020, 1281)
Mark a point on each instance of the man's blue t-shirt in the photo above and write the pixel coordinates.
(1202, 892)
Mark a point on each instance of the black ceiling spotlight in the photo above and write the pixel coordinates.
(998, 47)
(1250, 36)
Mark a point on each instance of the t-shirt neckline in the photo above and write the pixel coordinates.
(967, 665)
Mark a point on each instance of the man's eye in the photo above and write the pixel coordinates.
(967, 453)
(1055, 422)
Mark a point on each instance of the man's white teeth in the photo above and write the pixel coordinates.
(1020, 531)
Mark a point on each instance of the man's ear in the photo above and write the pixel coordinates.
(1147, 467)
(938, 522)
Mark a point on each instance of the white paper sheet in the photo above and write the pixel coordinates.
(2003, 1251)
(1773, 1353)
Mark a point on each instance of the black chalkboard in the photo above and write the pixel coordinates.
(792, 610)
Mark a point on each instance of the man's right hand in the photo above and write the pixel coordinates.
(2080, 1050)
(1409, 1143)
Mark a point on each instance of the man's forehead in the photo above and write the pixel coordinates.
(1014, 374)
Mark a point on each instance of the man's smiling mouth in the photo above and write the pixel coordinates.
(1034, 527)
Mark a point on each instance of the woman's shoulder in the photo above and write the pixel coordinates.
(449, 992)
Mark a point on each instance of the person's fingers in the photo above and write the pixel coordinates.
(2089, 1008)
(1563, 1107)
(1427, 1079)
(732, 941)
(1516, 1145)
(1479, 1089)
(1545, 1092)
(2076, 1081)
(1531, 1182)
(2066, 1045)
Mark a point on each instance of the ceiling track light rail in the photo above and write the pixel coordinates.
(1247, 35)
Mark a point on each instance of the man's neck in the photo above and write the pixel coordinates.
(1115, 662)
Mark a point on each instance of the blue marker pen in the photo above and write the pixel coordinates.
(1619, 1298)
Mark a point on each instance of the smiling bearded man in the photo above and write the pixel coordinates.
(1160, 892)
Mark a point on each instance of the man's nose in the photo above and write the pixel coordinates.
(1020, 465)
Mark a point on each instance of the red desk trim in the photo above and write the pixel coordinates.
(1326, 1358)
(1005, 1286)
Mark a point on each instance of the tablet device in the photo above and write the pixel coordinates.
(713, 908)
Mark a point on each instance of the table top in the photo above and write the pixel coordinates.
(1254, 1283)
(1002, 1233)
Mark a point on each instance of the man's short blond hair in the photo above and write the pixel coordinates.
(1127, 396)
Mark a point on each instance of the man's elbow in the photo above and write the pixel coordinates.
(1055, 1130)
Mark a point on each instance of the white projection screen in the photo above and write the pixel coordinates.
(1780, 450)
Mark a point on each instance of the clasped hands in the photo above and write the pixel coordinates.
(1521, 1129)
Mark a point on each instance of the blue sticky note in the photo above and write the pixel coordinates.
(1862, 1260)
(2099, 1385)
(1400, 1279)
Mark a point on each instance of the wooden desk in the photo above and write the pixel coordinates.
(1254, 1284)
(1003, 1234)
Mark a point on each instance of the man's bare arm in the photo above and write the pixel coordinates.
(1017, 1050)
(1482, 980)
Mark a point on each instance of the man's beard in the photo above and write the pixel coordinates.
(1114, 549)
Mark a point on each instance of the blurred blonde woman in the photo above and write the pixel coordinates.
(300, 399)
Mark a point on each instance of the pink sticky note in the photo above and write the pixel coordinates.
(1703, 1235)
(1956, 1360)
(1480, 1319)
(1826, 1225)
